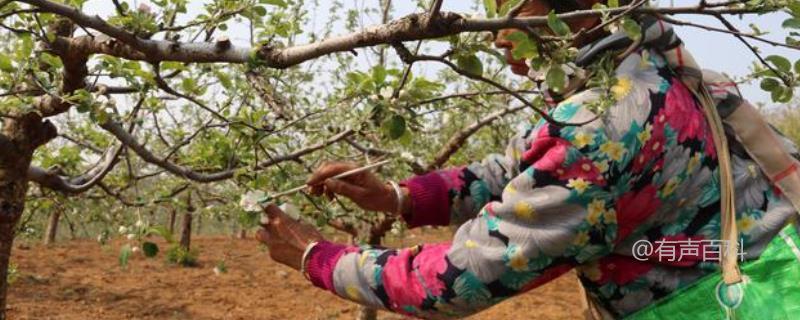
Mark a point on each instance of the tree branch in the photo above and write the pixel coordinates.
(408, 57)
(458, 140)
(52, 179)
(408, 28)
(727, 31)
(188, 173)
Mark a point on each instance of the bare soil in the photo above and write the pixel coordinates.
(82, 280)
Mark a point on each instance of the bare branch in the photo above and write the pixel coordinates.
(754, 50)
(458, 140)
(188, 173)
(436, 9)
(727, 31)
(415, 167)
(407, 57)
(468, 95)
(53, 180)
(516, 10)
(83, 144)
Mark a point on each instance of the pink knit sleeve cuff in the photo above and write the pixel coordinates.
(321, 261)
(430, 201)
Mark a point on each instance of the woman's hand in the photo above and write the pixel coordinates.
(365, 189)
(286, 238)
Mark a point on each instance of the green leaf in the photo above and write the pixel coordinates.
(163, 232)
(782, 94)
(379, 75)
(632, 28)
(395, 126)
(556, 78)
(124, 255)
(783, 64)
(491, 8)
(524, 47)
(5, 64)
(770, 84)
(795, 7)
(259, 10)
(507, 6)
(797, 66)
(279, 3)
(613, 3)
(150, 249)
(557, 25)
(471, 64)
(793, 23)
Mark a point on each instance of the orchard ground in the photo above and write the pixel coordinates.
(81, 279)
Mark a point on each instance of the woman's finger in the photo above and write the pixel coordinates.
(262, 236)
(316, 190)
(273, 213)
(328, 170)
(343, 188)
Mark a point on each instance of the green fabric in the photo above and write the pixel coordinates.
(772, 290)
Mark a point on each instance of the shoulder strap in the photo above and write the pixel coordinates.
(730, 234)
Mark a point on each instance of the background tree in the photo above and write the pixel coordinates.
(127, 115)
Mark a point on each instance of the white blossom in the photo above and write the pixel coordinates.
(387, 92)
(131, 236)
(139, 223)
(251, 201)
(135, 249)
(123, 229)
(408, 156)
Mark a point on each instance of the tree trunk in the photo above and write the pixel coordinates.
(186, 230)
(186, 227)
(199, 224)
(52, 227)
(6, 242)
(20, 136)
(172, 215)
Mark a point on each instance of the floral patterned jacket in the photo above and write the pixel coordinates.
(570, 197)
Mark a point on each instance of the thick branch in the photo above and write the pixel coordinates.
(51, 179)
(409, 28)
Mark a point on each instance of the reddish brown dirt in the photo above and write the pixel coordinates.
(81, 280)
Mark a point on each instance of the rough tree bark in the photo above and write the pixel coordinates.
(20, 136)
(52, 227)
(172, 215)
(199, 225)
(186, 230)
(186, 224)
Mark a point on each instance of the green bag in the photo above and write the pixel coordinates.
(771, 289)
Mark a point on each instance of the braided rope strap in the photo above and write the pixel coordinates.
(730, 234)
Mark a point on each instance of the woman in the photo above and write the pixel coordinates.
(561, 197)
